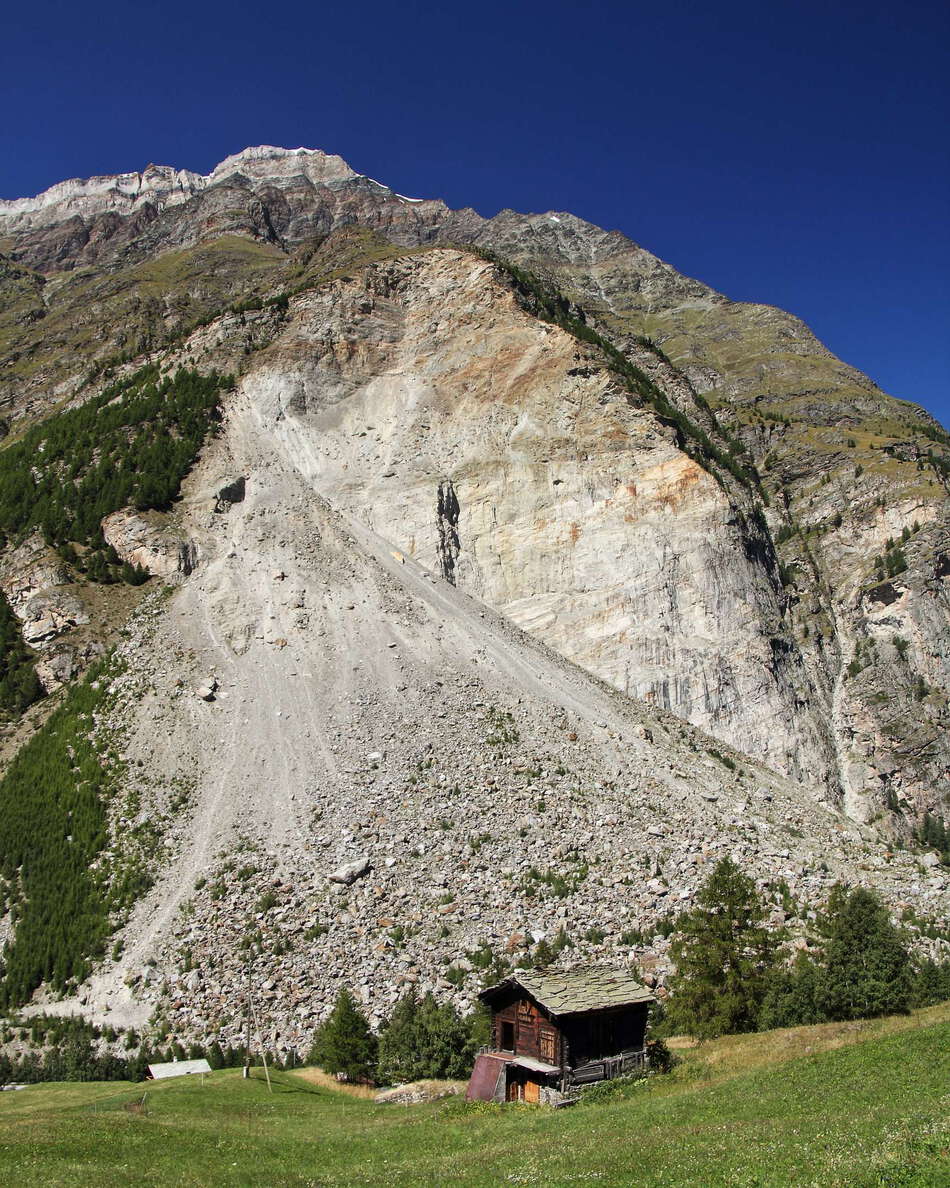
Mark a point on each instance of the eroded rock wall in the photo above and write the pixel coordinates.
(498, 450)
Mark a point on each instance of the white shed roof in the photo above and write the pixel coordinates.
(178, 1068)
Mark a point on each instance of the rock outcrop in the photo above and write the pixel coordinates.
(523, 473)
(149, 544)
(38, 587)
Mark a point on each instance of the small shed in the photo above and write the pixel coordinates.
(553, 1031)
(178, 1068)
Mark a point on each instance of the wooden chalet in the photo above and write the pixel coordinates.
(555, 1031)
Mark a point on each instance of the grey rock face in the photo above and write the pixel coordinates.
(49, 614)
(34, 580)
(149, 545)
(567, 509)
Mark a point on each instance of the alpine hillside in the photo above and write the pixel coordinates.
(387, 589)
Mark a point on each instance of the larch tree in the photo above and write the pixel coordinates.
(723, 955)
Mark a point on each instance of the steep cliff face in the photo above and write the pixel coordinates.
(854, 477)
(501, 452)
(583, 520)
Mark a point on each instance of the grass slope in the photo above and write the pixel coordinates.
(867, 1106)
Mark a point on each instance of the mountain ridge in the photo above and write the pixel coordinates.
(724, 543)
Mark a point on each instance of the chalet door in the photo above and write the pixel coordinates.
(532, 1092)
(548, 1045)
(514, 1090)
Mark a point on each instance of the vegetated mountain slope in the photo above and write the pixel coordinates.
(355, 705)
(107, 269)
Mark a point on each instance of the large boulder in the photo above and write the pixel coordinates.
(349, 872)
(152, 546)
(50, 613)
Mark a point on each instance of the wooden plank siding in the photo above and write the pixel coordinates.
(581, 1026)
(601, 1034)
(535, 1033)
(587, 1047)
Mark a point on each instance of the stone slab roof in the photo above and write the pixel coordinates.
(571, 992)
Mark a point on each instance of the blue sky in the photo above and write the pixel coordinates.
(794, 153)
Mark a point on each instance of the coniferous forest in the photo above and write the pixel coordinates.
(129, 446)
(53, 826)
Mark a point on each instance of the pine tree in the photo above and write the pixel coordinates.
(723, 955)
(931, 983)
(344, 1043)
(792, 996)
(860, 969)
(397, 1043)
(865, 966)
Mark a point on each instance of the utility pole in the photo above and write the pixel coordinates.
(260, 1040)
(247, 1020)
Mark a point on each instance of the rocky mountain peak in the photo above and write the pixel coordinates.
(268, 162)
(165, 185)
(91, 195)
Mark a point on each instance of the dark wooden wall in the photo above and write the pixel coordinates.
(604, 1033)
(535, 1033)
(573, 1042)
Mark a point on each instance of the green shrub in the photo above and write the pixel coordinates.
(661, 1058)
(934, 835)
(616, 1087)
(456, 975)
(425, 1039)
(725, 760)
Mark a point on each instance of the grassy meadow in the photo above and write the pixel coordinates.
(850, 1104)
